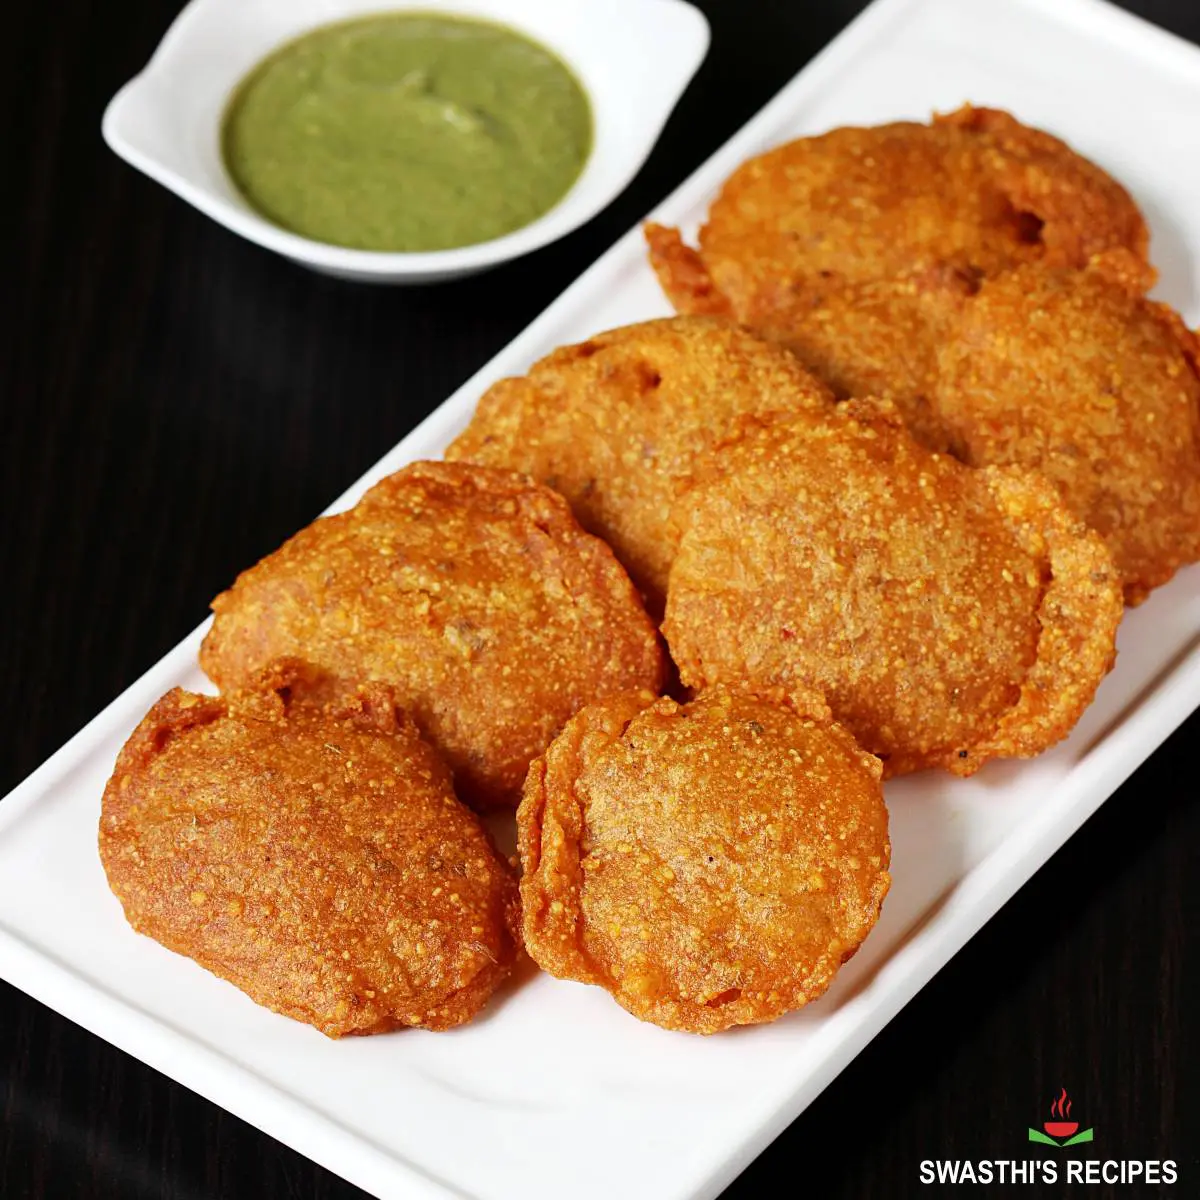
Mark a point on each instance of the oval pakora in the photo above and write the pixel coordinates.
(710, 864)
(616, 422)
(1072, 374)
(473, 592)
(948, 616)
(316, 859)
(975, 191)
(856, 247)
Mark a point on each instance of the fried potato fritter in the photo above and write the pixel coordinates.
(615, 422)
(854, 248)
(710, 864)
(974, 191)
(1097, 388)
(473, 592)
(316, 859)
(948, 616)
(1064, 206)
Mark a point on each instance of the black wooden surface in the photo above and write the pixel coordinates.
(177, 401)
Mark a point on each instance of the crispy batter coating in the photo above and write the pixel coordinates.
(710, 864)
(949, 616)
(616, 422)
(857, 247)
(878, 338)
(975, 191)
(473, 592)
(315, 858)
(1097, 388)
(1068, 207)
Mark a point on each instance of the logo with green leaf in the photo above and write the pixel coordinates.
(1061, 1131)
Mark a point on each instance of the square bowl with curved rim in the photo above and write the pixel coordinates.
(633, 57)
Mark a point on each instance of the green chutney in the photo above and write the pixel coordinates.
(407, 131)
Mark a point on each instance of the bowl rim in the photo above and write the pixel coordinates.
(553, 224)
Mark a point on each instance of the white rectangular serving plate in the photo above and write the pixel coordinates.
(555, 1090)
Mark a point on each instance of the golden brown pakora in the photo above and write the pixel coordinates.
(473, 592)
(710, 864)
(948, 615)
(315, 858)
(615, 422)
(856, 247)
(975, 191)
(1076, 376)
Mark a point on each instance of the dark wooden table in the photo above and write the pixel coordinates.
(177, 401)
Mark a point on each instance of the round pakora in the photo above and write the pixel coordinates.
(1074, 375)
(856, 248)
(975, 191)
(473, 592)
(948, 616)
(615, 423)
(710, 864)
(315, 858)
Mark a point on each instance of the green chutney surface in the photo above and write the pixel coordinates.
(407, 131)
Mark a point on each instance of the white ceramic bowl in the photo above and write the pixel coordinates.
(633, 57)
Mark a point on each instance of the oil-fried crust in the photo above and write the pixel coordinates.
(1077, 617)
(877, 337)
(1076, 375)
(615, 422)
(710, 864)
(976, 191)
(316, 858)
(683, 274)
(949, 616)
(862, 252)
(857, 249)
(1083, 210)
(473, 592)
